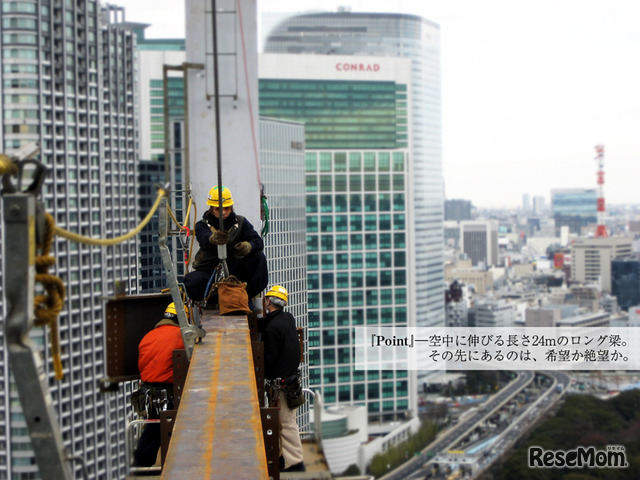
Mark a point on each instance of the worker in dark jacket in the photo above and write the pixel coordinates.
(245, 257)
(155, 363)
(281, 360)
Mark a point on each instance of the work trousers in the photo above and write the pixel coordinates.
(290, 443)
(146, 451)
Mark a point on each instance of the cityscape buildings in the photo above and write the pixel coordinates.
(68, 83)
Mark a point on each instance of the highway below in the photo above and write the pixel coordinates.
(418, 466)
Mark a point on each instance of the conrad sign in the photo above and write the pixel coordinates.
(357, 67)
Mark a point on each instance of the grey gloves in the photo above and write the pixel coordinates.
(218, 237)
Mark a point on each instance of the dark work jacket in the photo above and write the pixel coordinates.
(281, 345)
(207, 256)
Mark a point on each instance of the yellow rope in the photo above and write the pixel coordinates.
(47, 307)
(113, 241)
(173, 217)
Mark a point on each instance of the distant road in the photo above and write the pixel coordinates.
(458, 431)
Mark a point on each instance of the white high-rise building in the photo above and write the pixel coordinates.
(282, 174)
(68, 80)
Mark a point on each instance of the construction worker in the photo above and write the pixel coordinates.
(281, 361)
(155, 363)
(245, 257)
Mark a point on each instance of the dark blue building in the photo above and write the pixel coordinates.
(625, 282)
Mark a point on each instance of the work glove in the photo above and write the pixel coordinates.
(243, 249)
(218, 237)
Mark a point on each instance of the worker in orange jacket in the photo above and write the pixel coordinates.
(155, 363)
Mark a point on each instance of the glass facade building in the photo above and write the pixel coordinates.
(356, 174)
(625, 282)
(68, 82)
(574, 207)
(393, 36)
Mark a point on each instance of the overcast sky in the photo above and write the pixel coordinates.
(528, 89)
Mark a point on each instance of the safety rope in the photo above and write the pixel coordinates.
(47, 307)
(113, 241)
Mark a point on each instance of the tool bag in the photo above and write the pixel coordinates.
(232, 296)
(148, 401)
(292, 387)
(138, 402)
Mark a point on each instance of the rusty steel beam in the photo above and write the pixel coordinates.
(218, 429)
(271, 431)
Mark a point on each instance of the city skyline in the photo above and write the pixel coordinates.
(540, 85)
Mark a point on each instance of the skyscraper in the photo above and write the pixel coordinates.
(418, 39)
(372, 139)
(357, 208)
(282, 174)
(68, 83)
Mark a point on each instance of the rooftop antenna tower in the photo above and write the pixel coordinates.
(601, 229)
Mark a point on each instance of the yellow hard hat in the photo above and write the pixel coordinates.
(214, 201)
(171, 310)
(278, 292)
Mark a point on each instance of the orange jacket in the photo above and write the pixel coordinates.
(155, 354)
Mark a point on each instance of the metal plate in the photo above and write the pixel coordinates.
(128, 319)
